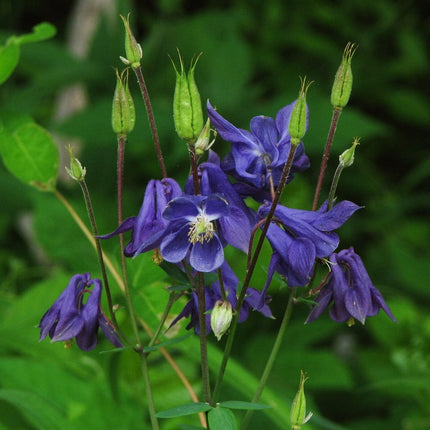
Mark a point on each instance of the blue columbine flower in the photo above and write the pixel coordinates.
(192, 229)
(213, 294)
(350, 290)
(234, 229)
(261, 153)
(149, 225)
(298, 237)
(70, 318)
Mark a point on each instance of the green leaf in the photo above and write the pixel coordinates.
(38, 411)
(9, 56)
(189, 409)
(221, 419)
(237, 404)
(31, 154)
(41, 31)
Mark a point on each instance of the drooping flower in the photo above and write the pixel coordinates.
(149, 225)
(192, 229)
(298, 237)
(261, 153)
(350, 291)
(213, 295)
(234, 229)
(69, 317)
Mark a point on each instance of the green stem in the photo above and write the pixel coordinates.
(272, 357)
(150, 113)
(332, 130)
(148, 389)
(333, 187)
(203, 339)
(172, 298)
(250, 270)
(99, 251)
(122, 139)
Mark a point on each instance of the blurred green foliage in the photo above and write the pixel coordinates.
(375, 377)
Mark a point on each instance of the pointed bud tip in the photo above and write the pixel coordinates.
(76, 171)
(342, 85)
(133, 49)
(346, 159)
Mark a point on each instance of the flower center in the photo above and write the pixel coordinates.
(201, 230)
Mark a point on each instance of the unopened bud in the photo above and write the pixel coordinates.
(187, 105)
(133, 50)
(204, 143)
(123, 113)
(346, 159)
(221, 317)
(76, 171)
(342, 85)
(298, 415)
(298, 119)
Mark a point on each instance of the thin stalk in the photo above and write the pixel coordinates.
(203, 339)
(332, 131)
(122, 139)
(194, 169)
(148, 389)
(99, 251)
(333, 186)
(250, 271)
(150, 113)
(120, 168)
(172, 298)
(273, 354)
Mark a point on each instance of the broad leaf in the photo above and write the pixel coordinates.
(30, 153)
(221, 419)
(189, 409)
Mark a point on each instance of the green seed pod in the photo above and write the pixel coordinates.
(342, 86)
(187, 105)
(298, 415)
(346, 159)
(133, 50)
(123, 113)
(203, 142)
(76, 171)
(298, 118)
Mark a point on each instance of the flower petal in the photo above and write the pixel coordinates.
(174, 246)
(207, 256)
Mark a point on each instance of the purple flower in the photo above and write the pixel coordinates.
(192, 229)
(261, 153)
(298, 237)
(234, 229)
(149, 225)
(70, 318)
(350, 290)
(213, 294)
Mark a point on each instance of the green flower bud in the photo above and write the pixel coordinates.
(133, 50)
(346, 159)
(204, 143)
(123, 113)
(221, 317)
(297, 124)
(298, 415)
(187, 106)
(76, 171)
(342, 85)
